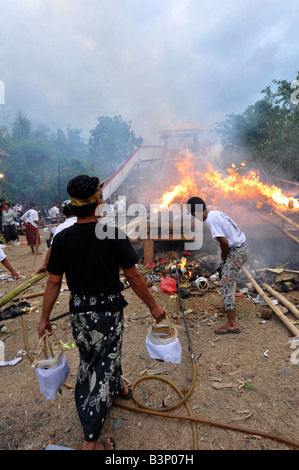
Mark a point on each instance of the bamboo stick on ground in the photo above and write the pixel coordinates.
(282, 300)
(292, 328)
(30, 296)
(10, 295)
(289, 221)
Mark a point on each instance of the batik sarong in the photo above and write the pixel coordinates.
(98, 335)
(236, 258)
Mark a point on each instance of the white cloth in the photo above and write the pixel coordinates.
(53, 212)
(67, 223)
(30, 216)
(2, 255)
(221, 225)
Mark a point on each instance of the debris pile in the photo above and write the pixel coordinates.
(197, 274)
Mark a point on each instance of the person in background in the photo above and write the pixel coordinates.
(2, 202)
(45, 215)
(15, 275)
(91, 264)
(68, 212)
(31, 220)
(18, 208)
(9, 225)
(234, 254)
(54, 213)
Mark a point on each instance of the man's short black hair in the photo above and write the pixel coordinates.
(196, 204)
(83, 187)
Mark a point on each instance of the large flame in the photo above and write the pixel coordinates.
(236, 185)
(187, 186)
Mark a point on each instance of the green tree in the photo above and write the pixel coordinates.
(111, 142)
(21, 129)
(266, 132)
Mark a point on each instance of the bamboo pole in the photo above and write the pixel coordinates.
(30, 296)
(289, 221)
(292, 328)
(10, 295)
(282, 300)
(292, 237)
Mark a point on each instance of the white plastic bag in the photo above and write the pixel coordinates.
(50, 380)
(51, 366)
(162, 343)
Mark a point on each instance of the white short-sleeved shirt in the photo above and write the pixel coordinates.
(53, 213)
(2, 255)
(221, 225)
(67, 223)
(30, 216)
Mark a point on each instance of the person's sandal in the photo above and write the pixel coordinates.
(106, 445)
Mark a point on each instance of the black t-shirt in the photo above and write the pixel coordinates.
(91, 264)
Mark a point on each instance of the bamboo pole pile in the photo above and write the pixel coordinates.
(292, 328)
(291, 307)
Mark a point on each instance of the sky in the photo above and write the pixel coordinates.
(64, 63)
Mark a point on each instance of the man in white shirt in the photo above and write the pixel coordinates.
(234, 254)
(54, 213)
(69, 221)
(31, 220)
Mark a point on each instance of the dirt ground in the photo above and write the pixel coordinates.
(246, 380)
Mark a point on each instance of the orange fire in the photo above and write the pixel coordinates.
(247, 187)
(188, 185)
(237, 186)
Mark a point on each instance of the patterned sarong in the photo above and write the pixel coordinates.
(98, 336)
(236, 258)
(31, 235)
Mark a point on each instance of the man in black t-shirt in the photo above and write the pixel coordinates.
(91, 265)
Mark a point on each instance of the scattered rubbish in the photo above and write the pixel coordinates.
(15, 310)
(219, 385)
(56, 447)
(202, 283)
(260, 301)
(2, 351)
(169, 284)
(244, 384)
(266, 353)
(66, 346)
(18, 358)
(244, 291)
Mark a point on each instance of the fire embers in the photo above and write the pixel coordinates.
(193, 276)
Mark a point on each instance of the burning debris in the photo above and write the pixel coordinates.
(241, 184)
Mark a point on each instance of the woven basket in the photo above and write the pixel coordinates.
(162, 343)
(164, 331)
(49, 353)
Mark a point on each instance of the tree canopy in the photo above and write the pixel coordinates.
(41, 161)
(267, 131)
